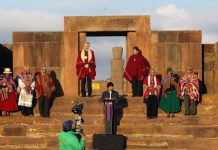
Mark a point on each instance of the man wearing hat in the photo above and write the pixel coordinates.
(190, 91)
(151, 86)
(67, 139)
(44, 88)
(7, 92)
(170, 92)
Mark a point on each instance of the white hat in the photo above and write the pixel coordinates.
(7, 70)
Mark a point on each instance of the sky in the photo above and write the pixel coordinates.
(48, 15)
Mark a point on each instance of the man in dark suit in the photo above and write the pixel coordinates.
(109, 108)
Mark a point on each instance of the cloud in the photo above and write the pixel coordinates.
(171, 17)
(18, 20)
(172, 11)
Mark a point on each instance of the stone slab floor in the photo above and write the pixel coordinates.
(183, 132)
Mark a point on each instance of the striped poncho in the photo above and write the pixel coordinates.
(189, 86)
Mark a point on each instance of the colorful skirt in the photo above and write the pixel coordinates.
(10, 104)
(1, 103)
(170, 103)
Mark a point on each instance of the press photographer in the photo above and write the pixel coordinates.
(68, 140)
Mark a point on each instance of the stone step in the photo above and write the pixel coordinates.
(182, 132)
(194, 144)
(135, 106)
(22, 142)
(175, 143)
(97, 120)
(149, 128)
(98, 110)
(206, 99)
(27, 147)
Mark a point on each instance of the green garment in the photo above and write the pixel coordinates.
(69, 141)
(170, 103)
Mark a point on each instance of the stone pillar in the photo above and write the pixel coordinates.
(70, 54)
(117, 64)
(216, 68)
(209, 68)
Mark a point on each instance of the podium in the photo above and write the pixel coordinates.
(109, 115)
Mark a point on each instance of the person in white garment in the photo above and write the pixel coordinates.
(26, 86)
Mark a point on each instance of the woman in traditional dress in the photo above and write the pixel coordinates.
(8, 94)
(170, 92)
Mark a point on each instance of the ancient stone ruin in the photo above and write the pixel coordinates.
(162, 48)
(117, 67)
(59, 50)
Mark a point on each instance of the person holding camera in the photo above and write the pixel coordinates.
(67, 139)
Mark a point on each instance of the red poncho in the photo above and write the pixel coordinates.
(190, 86)
(151, 86)
(85, 57)
(137, 66)
(44, 85)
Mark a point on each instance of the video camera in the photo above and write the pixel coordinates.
(77, 110)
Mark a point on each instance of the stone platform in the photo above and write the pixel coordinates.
(182, 132)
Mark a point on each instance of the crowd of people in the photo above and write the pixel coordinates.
(165, 92)
(19, 93)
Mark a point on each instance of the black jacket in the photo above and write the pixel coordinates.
(106, 95)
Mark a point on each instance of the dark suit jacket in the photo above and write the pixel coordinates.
(106, 94)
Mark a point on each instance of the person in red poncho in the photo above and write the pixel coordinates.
(136, 69)
(85, 68)
(151, 87)
(44, 88)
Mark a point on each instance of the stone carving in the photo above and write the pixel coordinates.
(117, 66)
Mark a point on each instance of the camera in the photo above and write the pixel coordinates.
(77, 110)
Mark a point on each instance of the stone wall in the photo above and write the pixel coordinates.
(216, 68)
(176, 49)
(209, 68)
(37, 48)
(137, 28)
(59, 50)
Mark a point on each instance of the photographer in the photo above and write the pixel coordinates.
(67, 139)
